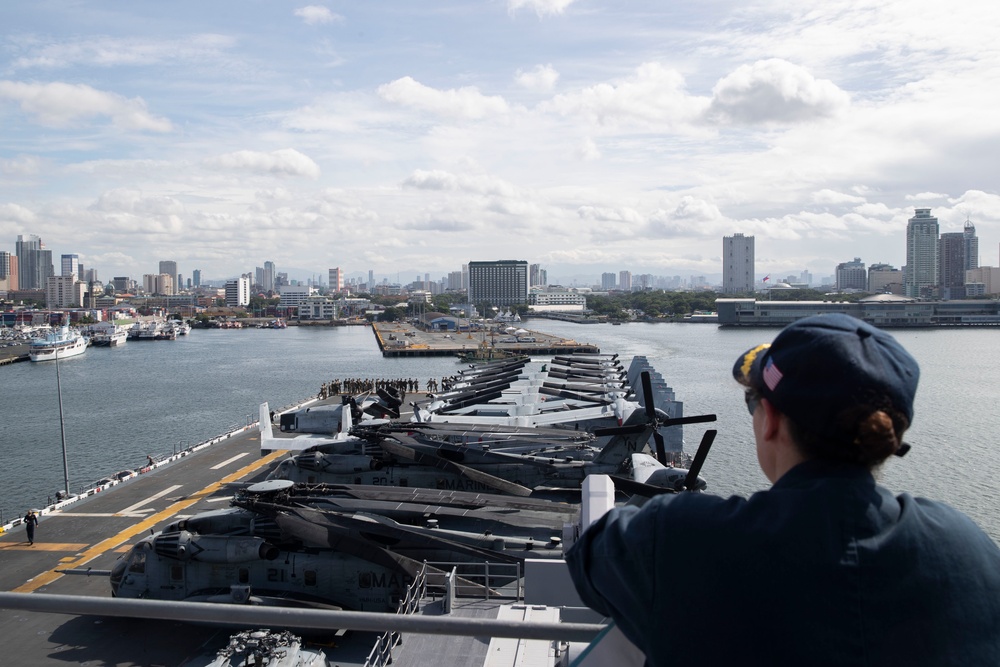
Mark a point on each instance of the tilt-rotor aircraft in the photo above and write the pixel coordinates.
(395, 457)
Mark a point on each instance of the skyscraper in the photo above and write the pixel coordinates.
(196, 277)
(971, 246)
(737, 263)
(169, 267)
(70, 265)
(269, 273)
(922, 260)
(34, 262)
(336, 280)
(9, 275)
(625, 281)
(852, 275)
(608, 281)
(951, 264)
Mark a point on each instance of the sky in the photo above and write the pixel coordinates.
(409, 138)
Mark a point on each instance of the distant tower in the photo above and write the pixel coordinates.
(922, 258)
(371, 280)
(196, 277)
(70, 265)
(971, 246)
(625, 281)
(269, 273)
(737, 263)
(170, 268)
(852, 275)
(952, 263)
(336, 280)
(34, 262)
(608, 281)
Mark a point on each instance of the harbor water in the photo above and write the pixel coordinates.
(152, 398)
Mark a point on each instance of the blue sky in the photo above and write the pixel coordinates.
(411, 137)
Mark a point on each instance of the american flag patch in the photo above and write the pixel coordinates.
(772, 376)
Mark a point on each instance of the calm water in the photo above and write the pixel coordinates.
(150, 397)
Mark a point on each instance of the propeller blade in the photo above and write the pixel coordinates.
(647, 395)
(634, 488)
(619, 430)
(378, 410)
(699, 459)
(388, 397)
(695, 419)
(424, 458)
(661, 451)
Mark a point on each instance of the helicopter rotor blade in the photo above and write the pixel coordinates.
(699, 459)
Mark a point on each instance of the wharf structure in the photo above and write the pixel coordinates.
(882, 310)
(397, 339)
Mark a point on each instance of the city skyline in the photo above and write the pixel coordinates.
(582, 135)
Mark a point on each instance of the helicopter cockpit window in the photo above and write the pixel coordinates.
(137, 561)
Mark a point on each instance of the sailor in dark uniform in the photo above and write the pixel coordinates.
(824, 568)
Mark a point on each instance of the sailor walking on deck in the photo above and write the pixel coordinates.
(30, 521)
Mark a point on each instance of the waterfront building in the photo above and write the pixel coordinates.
(34, 262)
(921, 275)
(885, 279)
(238, 292)
(971, 246)
(556, 298)
(291, 296)
(64, 292)
(951, 265)
(852, 276)
(169, 267)
(499, 283)
(881, 310)
(625, 281)
(737, 264)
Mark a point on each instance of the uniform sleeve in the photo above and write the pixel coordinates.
(614, 567)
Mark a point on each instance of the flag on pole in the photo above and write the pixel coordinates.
(766, 278)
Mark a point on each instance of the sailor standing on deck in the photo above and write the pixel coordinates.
(30, 522)
(824, 568)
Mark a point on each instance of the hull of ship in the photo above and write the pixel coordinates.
(114, 340)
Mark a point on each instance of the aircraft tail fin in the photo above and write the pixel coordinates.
(629, 438)
(265, 425)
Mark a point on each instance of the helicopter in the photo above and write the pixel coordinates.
(324, 547)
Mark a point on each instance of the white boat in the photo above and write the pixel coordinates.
(106, 334)
(60, 344)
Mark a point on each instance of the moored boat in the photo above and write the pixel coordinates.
(106, 334)
(60, 344)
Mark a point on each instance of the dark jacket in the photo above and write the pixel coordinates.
(825, 568)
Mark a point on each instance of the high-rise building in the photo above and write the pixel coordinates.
(34, 262)
(500, 283)
(9, 275)
(121, 283)
(70, 265)
(269, 274)
(625, 281)
(238, 292)
(371, 280)
(737, 263)
(852, 275)
(951, 264)
(537, 276)
(196, 277)
(336, 280)
(608, 281)
(971, 246)
(64, 291)
(169, 267)
(921, 272)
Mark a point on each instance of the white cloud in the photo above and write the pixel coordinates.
(24, 165)
(827, 196)
(315, 14)
(284, 162)
(63, 104)
(17, 213)
(465, 102)
(774, 91)
(654, 94)
(924, 196)
(540, 7)
(115, 52)
(541, 78)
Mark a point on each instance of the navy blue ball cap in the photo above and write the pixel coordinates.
(819, 366)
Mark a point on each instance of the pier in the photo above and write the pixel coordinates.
(400, 339)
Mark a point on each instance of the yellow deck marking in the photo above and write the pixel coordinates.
(110, 543)
(42, 546)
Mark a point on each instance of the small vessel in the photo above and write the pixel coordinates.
(106, 334)
(60, 344)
